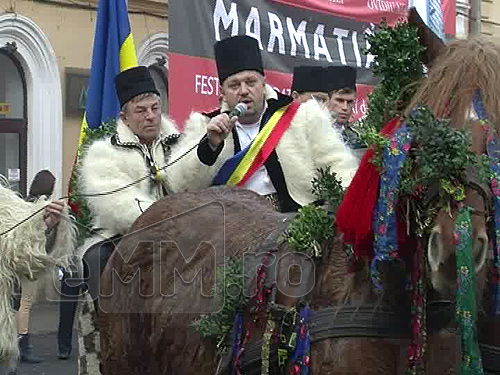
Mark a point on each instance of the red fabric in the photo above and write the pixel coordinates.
(354, 216)
(448, 8)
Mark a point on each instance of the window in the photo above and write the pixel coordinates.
(13, 124)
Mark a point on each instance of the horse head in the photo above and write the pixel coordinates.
(442, 242)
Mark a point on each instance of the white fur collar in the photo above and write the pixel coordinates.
(125, 135)
(270, 93)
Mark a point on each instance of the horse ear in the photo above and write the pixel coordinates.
(434, 45)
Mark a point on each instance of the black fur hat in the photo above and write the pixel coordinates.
(236, 54)
(310, 79)
(133, 82)
(341, 77)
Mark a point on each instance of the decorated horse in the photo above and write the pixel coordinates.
(23, 254)
(216, 281)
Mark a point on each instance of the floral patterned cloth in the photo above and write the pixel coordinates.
(466, 308)
(494, 163)
(384, 216)
(301, 356)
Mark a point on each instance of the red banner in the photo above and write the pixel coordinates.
(360, 10)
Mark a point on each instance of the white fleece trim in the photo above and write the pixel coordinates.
(106, 167)
(189, 172)
(311, 143)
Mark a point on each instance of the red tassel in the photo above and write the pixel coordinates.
(354, 216)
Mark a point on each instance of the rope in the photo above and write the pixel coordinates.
(104, 193)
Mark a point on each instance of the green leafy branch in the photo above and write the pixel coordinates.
(326, 186)
(76, 200)
(397, 64)
(313, 225)
(441, 153)
(439, 159)
(229, 299)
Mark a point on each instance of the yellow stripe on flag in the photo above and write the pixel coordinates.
(128, 58)
(83, 131)
(255, 148)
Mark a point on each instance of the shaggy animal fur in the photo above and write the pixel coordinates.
(23, 253)
(464, 66)
(185, 232)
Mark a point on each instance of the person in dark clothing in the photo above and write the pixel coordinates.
(70, 292)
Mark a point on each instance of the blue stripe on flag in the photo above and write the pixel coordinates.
(228, 168)
(112, 29)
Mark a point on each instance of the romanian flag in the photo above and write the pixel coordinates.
(113, 52)
(237, 170)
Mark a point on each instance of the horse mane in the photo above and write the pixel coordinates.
(462, 68)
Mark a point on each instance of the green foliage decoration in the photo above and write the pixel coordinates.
(229, 298)
(438, 160)
(397, 65)
(327, 187)
(77, 201)
(314, 226)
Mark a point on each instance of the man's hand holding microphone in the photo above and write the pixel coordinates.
(221, 125)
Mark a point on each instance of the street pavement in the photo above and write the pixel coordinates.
(43, 331)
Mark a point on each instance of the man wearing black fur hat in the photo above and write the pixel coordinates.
(310, 82)
(141, 146)
(283, 142)
(341, 86)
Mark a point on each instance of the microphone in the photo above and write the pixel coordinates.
(238, 110)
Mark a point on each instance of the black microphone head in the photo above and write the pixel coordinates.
(239, 109)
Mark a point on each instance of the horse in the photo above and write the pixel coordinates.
(146, 317)
(23, 254)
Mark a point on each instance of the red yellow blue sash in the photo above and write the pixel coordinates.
(237, 170)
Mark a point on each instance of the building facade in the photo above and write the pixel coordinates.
(478, 17)
(490, 17)
(45, 55)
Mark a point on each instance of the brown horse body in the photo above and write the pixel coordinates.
(146, 322)
(153, 335)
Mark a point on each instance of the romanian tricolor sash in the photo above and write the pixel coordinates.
(237, 170)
